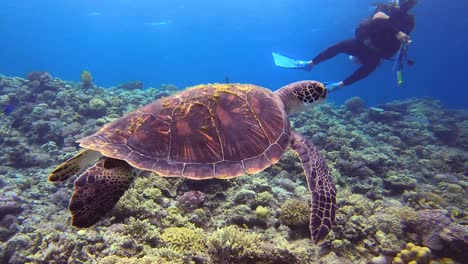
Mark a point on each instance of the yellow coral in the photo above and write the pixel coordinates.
(397, 260)
(413, 254)
(183, 239)
(262, 212)
(295, 213)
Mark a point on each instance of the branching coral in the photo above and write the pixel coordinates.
(141, 199)
(295, 213)
(183, 239)
(141, 229)
(234, 245)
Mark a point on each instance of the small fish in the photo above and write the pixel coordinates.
(94, 14)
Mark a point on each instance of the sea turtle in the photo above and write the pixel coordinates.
(207, 131)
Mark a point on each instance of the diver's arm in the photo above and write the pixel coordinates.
(381, 15)
(403, 37)
(381, 21)
(400, 35)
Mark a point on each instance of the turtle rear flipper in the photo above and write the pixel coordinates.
(74, 166)
(98, 189)
(320, 185)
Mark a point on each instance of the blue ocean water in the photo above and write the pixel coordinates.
(189, 42)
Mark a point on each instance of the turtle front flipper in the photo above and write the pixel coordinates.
(98, 189)
(320, 185)
(74, 166)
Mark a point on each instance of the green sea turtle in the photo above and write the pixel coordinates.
(207, 131)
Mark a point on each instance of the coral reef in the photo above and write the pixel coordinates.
(439, 233)
(39, 76)
(400, 170)
(130, 86)
(354, 105)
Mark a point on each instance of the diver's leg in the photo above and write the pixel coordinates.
(368, 66)
(349, 46)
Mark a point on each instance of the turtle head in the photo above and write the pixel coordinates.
(296, 96)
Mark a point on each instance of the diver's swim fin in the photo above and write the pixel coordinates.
(288, 62)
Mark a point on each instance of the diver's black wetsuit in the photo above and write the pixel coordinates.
(374, 40)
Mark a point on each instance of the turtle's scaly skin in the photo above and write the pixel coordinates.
(207, 131)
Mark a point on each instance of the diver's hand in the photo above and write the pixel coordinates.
(380, 15)
(334, 86)
(403, 38)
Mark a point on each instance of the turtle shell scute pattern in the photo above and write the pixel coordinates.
(207, 131)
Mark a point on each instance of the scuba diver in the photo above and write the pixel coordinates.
(380, 37)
